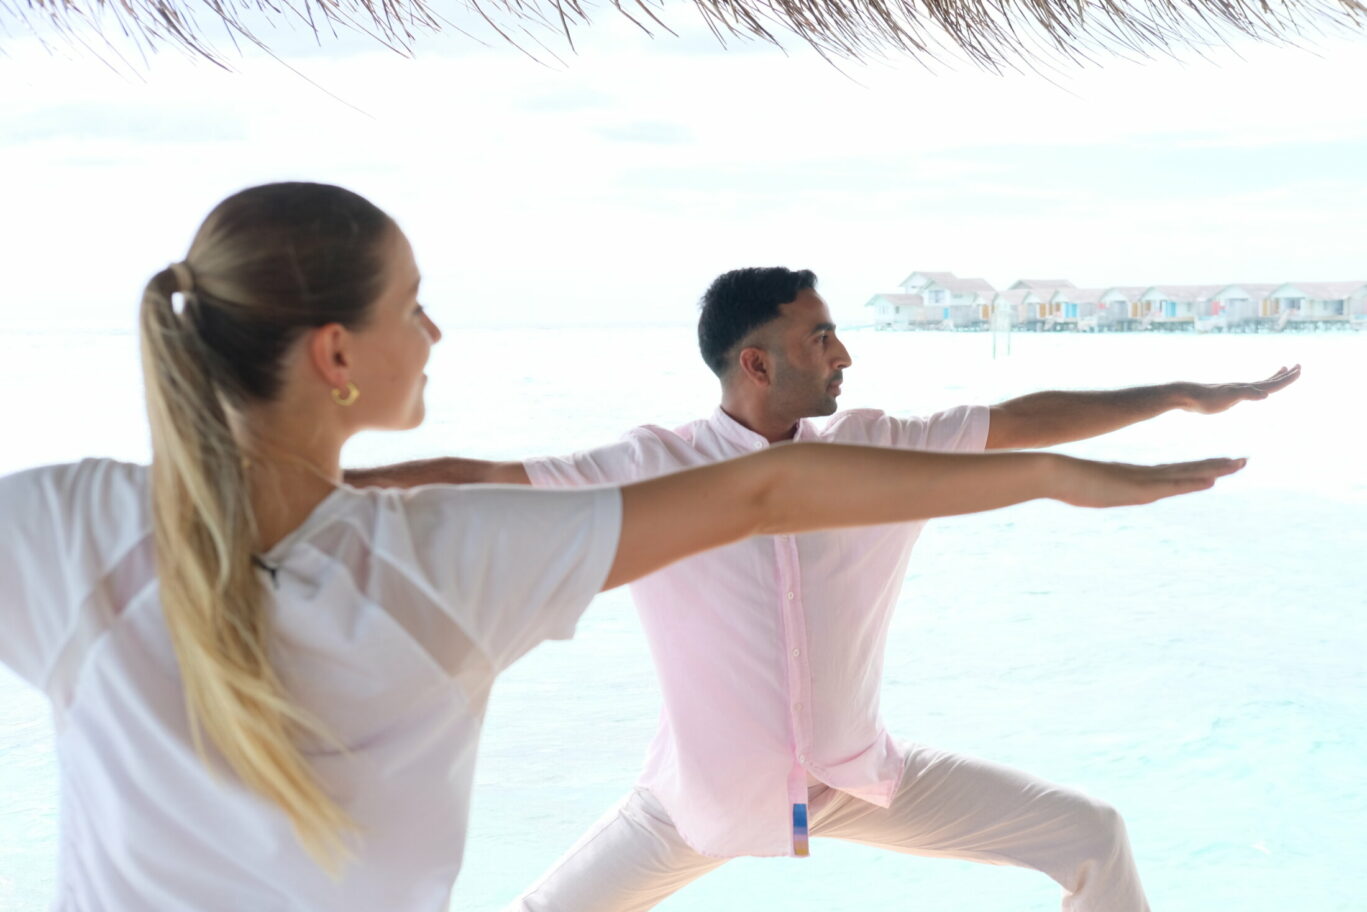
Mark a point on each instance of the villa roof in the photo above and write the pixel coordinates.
(1041, 284)
(1187, 292)
(906, 300)
(933, 276)
(1129, 291)
(1080, 295)
(966, 286)
(1256, 289)
(1324, 290)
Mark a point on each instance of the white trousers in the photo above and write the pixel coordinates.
(948, 806)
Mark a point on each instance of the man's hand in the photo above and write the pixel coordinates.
(1049, 418)
(1211, 398)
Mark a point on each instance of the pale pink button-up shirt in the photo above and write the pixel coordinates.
(769, 651)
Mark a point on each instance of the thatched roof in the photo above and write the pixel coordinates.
(991, 33)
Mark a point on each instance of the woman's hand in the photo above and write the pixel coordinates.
(1084, 483)
(807, 486)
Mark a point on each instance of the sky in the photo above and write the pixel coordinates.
(609, 185)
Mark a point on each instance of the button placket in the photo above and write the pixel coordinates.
(799, 674)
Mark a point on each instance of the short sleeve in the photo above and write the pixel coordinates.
(513, 565)
(47, 563)
(958, 430)
(616, 463)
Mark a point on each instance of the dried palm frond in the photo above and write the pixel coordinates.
(991, 33)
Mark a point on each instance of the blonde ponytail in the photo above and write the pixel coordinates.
(214, 601)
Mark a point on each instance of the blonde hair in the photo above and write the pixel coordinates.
(268, 264)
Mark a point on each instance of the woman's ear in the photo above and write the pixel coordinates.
(329, 349)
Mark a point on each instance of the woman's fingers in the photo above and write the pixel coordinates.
(1188, 477)
(1213, 468)
(1120, 484)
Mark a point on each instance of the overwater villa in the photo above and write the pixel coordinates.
(1177, 306)
(934, 300)
(1320, 302)
(1020, 306)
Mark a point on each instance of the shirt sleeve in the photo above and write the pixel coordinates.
(37, 607)
(513, 565)
(958, 430)
(611, 464)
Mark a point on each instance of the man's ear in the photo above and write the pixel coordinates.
(753, 364)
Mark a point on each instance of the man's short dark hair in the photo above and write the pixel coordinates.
(740, 300)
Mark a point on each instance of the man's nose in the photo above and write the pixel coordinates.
(842, 357)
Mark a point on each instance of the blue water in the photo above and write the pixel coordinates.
(1198, 663)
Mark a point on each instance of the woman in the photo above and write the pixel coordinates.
(269, 686)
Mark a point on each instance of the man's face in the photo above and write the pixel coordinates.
(808, 359)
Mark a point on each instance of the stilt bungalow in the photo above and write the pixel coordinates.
(1126, 306)
(1090, 309)
(1035, 310)
(901, 311)
(962, 303)
(1176, 306)
(1245, 306)
(1020, 308)
(1073, 308)
(1319, 303)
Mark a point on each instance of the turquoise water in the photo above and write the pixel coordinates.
(1198, 663)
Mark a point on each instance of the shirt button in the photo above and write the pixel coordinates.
(797, 652)
(790, 596)
(797, 706)
(801, 758)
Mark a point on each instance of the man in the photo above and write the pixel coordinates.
(770, 652)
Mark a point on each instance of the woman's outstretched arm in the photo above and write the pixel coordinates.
(802, 487)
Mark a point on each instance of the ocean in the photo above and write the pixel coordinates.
(1198, 663)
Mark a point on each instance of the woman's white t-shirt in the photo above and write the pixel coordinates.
(392, 614)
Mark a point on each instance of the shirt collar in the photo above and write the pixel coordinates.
(732, 431)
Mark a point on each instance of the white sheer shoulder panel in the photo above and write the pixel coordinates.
(130, 577)
(413, 606)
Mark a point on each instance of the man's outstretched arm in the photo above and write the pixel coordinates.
(438, 471)
(1045, 419)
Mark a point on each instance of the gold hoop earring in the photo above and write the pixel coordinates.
(349, 397)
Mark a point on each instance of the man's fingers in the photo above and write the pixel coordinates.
(1285, 375)
(1279, 380)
